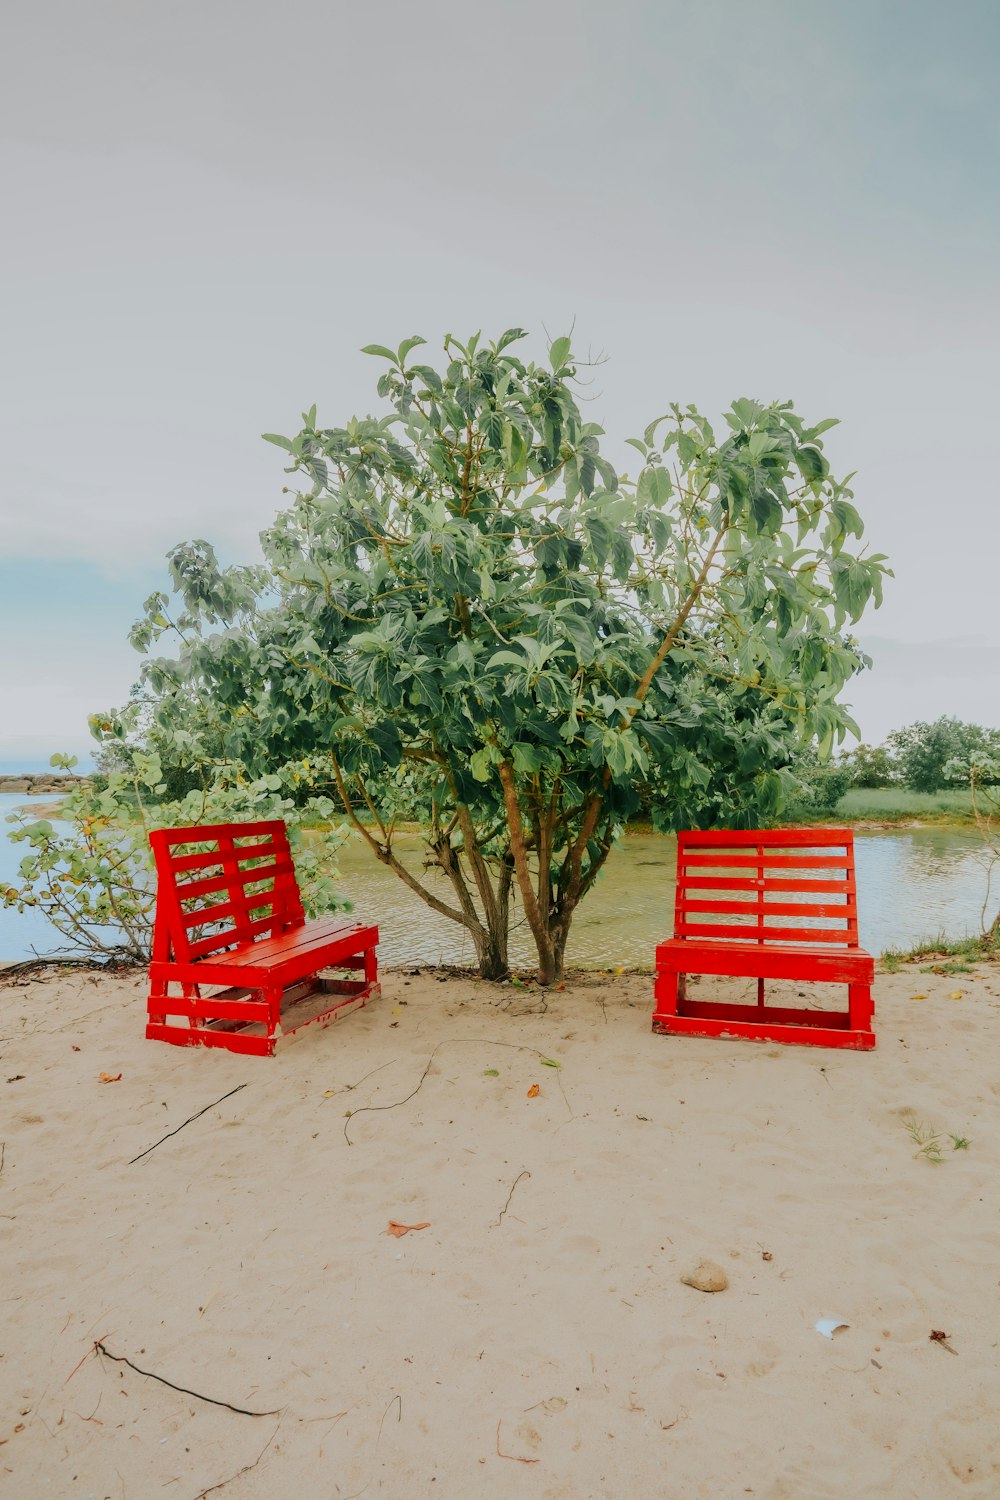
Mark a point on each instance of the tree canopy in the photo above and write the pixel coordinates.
(924, 753)
(465, 610)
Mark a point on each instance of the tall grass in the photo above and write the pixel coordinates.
(897, 805)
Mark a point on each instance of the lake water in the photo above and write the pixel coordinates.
(912, 884)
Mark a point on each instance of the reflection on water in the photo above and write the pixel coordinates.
(912, 884)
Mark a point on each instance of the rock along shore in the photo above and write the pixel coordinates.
(40, 784)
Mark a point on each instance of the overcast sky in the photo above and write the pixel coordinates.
(210, 206)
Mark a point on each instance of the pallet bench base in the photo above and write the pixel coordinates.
(768, 1023)
(238, 1019)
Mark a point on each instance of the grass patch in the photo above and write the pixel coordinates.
(972, 949)
(897, 805)
(930, 1143)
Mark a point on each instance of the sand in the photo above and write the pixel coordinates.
(535, 1339)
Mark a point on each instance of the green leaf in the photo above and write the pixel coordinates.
(812, 464)
(279, 441)
(491, 1072)
(622, 558)
(527, 759)
(549, 1062)
(405, 347)
(654, 487)
(847, 518)
(380, 350)
(510, 337)
(650, 433)
(559, 353)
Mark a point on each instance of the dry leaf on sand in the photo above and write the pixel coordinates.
(534, 1091)
(400, 1229)
(109, 1077)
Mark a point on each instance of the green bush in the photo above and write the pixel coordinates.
(870, 766)
(823, 787)
(90, 871)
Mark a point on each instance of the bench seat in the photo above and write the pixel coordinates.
(760, 961)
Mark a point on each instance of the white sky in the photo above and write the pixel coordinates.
(210, 207)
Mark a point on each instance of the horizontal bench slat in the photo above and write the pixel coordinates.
(210, 1009)
(188, 890)
(781, 935)
(227, 909)
(769, 861)
(769, 837)
(182, 862)
(745, 883)
(203, 832)
(773, 909)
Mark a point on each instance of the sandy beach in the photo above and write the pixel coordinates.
(535, 1338)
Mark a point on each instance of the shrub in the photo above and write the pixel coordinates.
(90, 871)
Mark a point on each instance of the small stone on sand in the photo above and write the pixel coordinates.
(707, 1277)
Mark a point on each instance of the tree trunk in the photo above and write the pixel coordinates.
(491, 952)
(551, 956)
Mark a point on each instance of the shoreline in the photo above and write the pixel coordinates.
(222, 1222)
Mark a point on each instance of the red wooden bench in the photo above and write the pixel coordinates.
(780, 904)
(232, 947)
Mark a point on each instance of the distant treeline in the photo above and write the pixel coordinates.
(922, 757)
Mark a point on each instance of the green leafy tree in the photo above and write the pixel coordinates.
(466, 608)
(923, 751)
(870, 766)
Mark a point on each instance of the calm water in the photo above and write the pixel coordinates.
(912, 884)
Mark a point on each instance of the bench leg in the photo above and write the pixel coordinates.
(669, 990)
(760, 992)
(860, 1006)
(371, 966)
(272, 998)
(156, 1004)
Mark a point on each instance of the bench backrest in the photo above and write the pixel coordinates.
(775, 886)
(219, 884)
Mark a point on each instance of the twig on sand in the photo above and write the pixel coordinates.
(92, 1350)
(512, 1456)
(399, 1416)
(186, 1122)
(3, 1153)
(452, 1041)
(32, 965)
(121, 1359)
(350, 1087)
(510, 1195)
(245, 1469)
